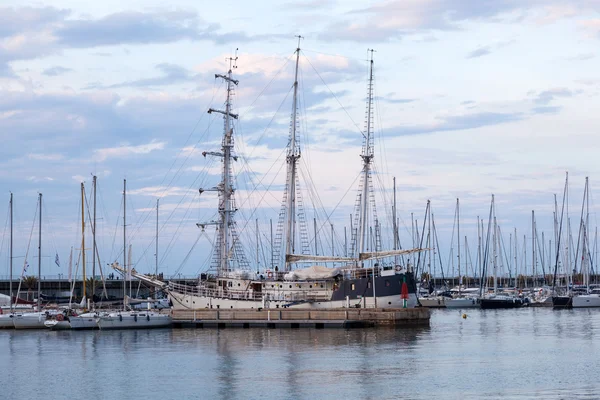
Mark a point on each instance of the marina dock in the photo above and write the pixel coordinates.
(291, 318)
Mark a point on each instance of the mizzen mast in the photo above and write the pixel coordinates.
(360, 243)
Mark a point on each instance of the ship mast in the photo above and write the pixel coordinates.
(226, 236)
(367, 158)
(293, 155)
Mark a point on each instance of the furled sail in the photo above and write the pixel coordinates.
(387, 253)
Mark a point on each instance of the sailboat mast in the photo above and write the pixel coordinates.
(94, 241)
(293, 154)
(39, 300)
(124, 242)
(395, 225)
(10, 291)
(458, 241)
(83, 236)
(156, 248)
(367, 157)
(533, 270)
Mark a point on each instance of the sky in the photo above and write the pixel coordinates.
(471, 99)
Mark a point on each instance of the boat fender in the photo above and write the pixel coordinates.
(148, 318)
(120, 317)
(1, 311)
(135, 317)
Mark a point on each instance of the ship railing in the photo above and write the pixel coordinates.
(283, 295)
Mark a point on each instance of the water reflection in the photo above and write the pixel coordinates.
(517, 354)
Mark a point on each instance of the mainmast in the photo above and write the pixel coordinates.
(94, 241)
(39, 300)
(83, 235)
(293, 155)
(125, 276)
(10, 292)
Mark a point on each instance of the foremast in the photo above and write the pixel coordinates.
(360, 241)
(227, 241)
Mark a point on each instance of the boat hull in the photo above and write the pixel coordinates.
(84, 321)
(562, 302)
(465, 302)
(134, 321)
(586, 301)
(6, 321)
(433, 302)
(30, 321)
(496, 303)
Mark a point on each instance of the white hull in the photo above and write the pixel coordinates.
(133, 320)
(433, 302)
(193, 302)
(585, 301)
(34, 320)
(463, 302)
(6, 321)
(84, 321)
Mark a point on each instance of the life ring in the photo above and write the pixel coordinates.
(60, 317)
(269, 274)
(398, 268)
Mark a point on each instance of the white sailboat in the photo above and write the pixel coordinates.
(126, 319)
(35, 320)
(461, 300)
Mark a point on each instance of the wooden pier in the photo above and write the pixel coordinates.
(292, 318)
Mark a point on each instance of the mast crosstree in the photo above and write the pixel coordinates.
(227, 247)
(292, 213)
(360, 232)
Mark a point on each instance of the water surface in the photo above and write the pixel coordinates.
(512, 354)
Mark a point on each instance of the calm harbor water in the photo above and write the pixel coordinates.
(513, 354)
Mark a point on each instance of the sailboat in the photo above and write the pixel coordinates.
(498, 299)
(234, 286)
(461, 300)
(127, 319)
(35, 320)
(6, 320)
(592, 296)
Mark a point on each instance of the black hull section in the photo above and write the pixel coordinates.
(562, 302)
(491, 304)
(384, 286)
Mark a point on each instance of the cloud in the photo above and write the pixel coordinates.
(129, 27)
(127, 150)
(28, 33)
(546, 110)
(55, 71)
(171, 74)
(16, 20)
(547, 96)
(482, 51)
(457, 122)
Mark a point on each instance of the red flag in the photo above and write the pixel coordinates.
(404, 292)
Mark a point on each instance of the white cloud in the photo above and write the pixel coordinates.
(127, 150)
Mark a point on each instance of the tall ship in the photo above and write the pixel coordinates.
(361, 280)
